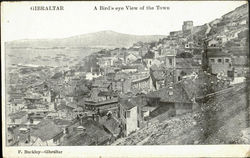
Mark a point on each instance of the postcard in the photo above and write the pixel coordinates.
(125, 79)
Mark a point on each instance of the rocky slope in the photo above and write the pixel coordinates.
(223, 126)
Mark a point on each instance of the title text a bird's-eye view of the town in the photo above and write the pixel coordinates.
(109, 88)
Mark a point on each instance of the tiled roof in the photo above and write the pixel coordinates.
(128, 67)
(216, 53)
(140, 80)
(139, 101)
(18, 115)
(158, 75)
(185, 63)
(194, 86)
(46, 130)
(129, 103)
(111, 124)
(239, 52)
(61, 122)
(138, 61)
(33, 96)
(18, 101)
(94, 134)
(149, 55)
(72, 105)
(101, 83)
(107, 93)
(178, 95)
(110, 101)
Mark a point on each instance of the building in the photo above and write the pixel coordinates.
(128, 116)
(184, 67)
(174, 97)
(175, 33)
(86, 132)
(64, 111)
(103, 106)
(130, 58)
(187, 25)
(170, 59)
(112, 125)
(215, 22)
(240, 61)
(213, 43)
(106, 61)
(143, 84)
(219, 62)
(222, 39)
(48, 132)
(129, 69)
(93, 74)
(121, 83)
(148, 59)
(19, 117)
(16, 105)
(32, 98)
(158, 76)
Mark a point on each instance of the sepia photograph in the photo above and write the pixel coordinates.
(125, 75)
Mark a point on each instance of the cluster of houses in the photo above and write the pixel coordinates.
(122, 90)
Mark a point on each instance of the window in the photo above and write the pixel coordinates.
(128, 114)
(170, 61)
(227, 60)
(212, 60)
(179, 78)
(219, 60)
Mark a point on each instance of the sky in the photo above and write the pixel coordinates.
(19, 22)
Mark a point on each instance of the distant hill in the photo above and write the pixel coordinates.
(103, 39)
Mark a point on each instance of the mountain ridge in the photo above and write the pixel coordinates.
(106, 38)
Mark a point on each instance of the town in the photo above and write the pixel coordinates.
(177, 90)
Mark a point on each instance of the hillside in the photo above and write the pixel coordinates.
(221, 118)
(103, 39)
(228, 112)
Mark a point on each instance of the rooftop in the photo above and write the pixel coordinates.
(175, 94)
(112, 124)
(46, 130)
(185, 63)
(149, 55)
(110, 101)
(107, 93)
(216, 52)
(140, 80)
(94, 134)
(18, 115)
(130, 102)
